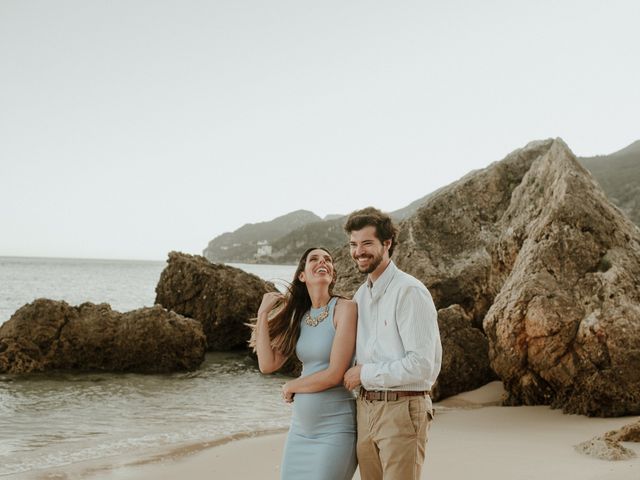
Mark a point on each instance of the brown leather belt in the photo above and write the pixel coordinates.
(390, 395)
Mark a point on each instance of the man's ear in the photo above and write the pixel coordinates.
(387, 244)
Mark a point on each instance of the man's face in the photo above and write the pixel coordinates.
(367, 250)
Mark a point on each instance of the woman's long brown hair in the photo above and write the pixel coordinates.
(284, 327)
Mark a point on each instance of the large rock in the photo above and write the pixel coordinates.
(532, 251)
(565, 327)
(222, 298)
(51, 335)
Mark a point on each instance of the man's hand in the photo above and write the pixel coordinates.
(352, 377)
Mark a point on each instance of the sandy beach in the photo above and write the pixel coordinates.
(471, 436)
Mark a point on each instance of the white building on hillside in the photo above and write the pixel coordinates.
(264, 249)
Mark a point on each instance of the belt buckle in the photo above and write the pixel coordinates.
(374, 395)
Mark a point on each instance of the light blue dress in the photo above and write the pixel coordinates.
(321, 444)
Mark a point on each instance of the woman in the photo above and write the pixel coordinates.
(321, 329)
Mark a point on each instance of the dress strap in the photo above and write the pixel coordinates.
(332, 306)
(333, 302)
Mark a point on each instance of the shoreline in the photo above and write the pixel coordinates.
(471, 430)
(109, 465)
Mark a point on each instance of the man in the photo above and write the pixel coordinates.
(398, 354)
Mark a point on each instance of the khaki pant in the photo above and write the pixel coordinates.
(392, 437)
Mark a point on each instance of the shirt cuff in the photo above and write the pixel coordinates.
(367, 376)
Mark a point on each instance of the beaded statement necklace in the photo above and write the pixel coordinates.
(314, 321)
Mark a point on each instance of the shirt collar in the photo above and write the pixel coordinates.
(380, 285)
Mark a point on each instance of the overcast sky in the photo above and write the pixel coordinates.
(131, 128)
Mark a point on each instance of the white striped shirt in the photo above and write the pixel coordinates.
(398, 341)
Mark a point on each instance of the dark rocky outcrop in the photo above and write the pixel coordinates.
(52, 335)
(532, 251)
(465, 354)
(220, 297)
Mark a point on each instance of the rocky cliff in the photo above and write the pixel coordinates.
(535, 255)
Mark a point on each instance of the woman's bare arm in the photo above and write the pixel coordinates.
(269, 359)
(344, 344)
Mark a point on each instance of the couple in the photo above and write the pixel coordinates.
(398, 356)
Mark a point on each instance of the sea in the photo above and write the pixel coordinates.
(52, 420)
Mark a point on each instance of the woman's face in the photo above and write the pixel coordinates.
(318, 268)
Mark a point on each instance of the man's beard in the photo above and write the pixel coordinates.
(375, 261)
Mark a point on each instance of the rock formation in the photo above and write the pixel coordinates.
(52, 335)
(220, 297)
(532, 251)
(565, 327)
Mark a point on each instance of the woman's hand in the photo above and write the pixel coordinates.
(287, 394)
(352, 377)
(269, 300)
(269, 358)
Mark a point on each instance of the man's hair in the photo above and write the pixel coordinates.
(370, 216)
